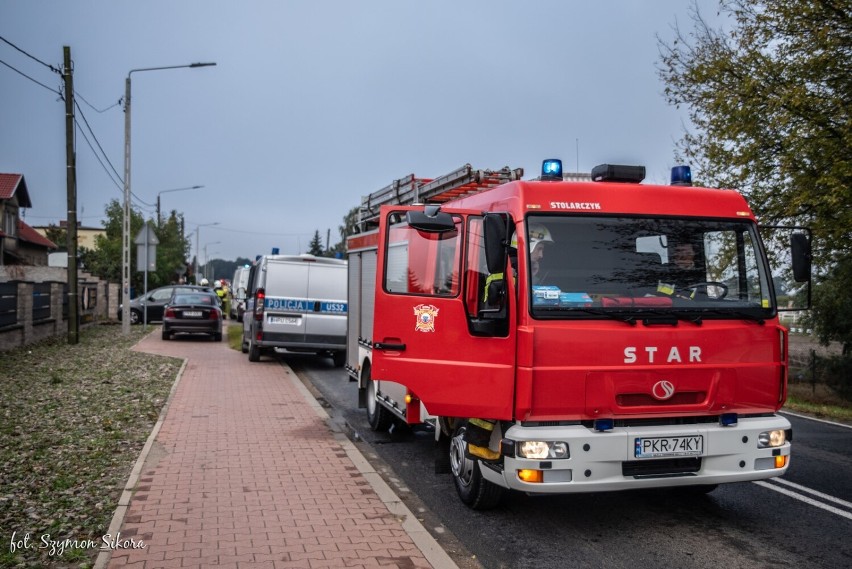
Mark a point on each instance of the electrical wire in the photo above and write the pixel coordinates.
(34, 58)
(19, 72)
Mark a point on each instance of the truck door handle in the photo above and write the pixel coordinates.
(384, 346)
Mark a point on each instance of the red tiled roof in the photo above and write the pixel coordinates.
(12, 184)
(27, 233)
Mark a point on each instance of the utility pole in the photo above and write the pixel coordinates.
(71, 190)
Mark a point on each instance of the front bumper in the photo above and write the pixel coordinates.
(605, 461)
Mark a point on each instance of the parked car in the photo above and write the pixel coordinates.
(195, 312)
(154, 302)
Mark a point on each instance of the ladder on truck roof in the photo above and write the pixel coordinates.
(411, 190)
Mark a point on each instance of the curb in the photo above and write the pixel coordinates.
(432, 551)
(127, 494)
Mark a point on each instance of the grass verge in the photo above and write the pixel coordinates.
(73, 420)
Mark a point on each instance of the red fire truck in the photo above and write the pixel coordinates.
(605, 334)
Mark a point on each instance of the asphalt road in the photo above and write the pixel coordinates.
(804, 520)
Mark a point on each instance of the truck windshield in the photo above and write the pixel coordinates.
(593, 267)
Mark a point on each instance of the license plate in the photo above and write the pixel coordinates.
(192, 314)
(292, 320)
(658, 447)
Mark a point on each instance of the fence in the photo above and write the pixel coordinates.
(34, 303)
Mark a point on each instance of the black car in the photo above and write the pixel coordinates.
(194, 311)
(155, 301)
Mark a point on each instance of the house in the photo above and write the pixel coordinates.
(20, 244)
(86, 236)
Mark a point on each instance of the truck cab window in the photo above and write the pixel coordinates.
(423, 263)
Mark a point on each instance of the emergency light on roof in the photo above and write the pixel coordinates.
(551, 170)
(681, 176)
(618, 173)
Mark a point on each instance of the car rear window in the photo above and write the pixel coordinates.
(193, 299)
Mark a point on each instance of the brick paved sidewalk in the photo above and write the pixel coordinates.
(245, 472)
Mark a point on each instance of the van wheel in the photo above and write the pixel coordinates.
(253, 352)
(339, 358)
(474, 490)
(379, 417)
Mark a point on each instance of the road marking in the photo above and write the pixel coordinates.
(807, 500)
(814, 492)
(817, 420)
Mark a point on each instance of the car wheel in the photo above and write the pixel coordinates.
(166, 335)
(253, 352)
(244, 346)
(474, 490)
(135, 316)
(339, 358)
(217, 337)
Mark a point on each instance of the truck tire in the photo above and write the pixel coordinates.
(378, 417)
(253, 352)
(474, 490)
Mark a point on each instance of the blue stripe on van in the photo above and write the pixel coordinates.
(305, 305)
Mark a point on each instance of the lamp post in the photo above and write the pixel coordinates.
(125, 228)
(167, 191)
(207, 258)
(198, 249)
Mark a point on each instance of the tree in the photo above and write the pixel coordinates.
(105, 260)
(771, 102)
(315, 248)
(348, 228)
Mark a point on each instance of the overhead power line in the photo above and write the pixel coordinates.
(19, 72)
(34, 58)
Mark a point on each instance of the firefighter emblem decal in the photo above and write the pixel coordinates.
(425, 315)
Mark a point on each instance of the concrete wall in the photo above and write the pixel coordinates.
(27, 318)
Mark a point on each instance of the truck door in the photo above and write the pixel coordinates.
(428, 287)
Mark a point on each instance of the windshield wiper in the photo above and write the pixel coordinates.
(620, 316)
(738, 313)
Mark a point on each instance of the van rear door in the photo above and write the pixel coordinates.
(326, 324)
(287, 302)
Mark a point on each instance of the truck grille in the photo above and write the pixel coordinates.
(661, 467)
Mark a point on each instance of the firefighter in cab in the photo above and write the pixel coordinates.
(479, 431)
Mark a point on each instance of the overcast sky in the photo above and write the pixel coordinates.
(314, 104)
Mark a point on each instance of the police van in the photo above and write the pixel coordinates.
(297, 303)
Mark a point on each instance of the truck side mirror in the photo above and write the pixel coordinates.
(496, 229)
(432, 220)
(800, 248)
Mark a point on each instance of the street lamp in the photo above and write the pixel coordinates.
(125, 229)
(207, 258)
(198, 249)
(167, 191)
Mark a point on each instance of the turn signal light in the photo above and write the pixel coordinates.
(533, 476)
(780, 461)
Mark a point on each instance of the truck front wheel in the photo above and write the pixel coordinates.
(474, 490)
(379, 417)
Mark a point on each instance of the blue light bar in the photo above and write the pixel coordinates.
(604, 424)
(681, 176)
(551, 169)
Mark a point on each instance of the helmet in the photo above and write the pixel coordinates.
(538, 234)
(217, 284)
(204, 282)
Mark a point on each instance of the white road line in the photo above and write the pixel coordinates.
(785, 412)
(805, 499)
(814, 492)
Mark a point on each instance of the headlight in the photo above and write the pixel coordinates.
(772, 438)
(542, 449)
